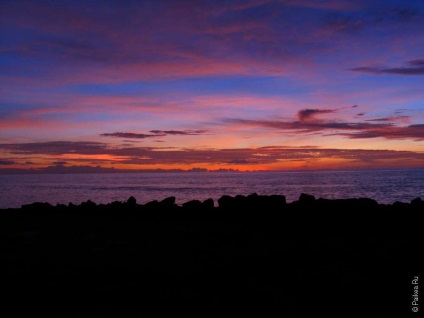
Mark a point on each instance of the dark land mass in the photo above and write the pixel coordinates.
(250, 256)
(61, 169)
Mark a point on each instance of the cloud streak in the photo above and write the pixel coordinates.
(7, 162)
(415, 67)
(180, 132)
(55, 148)
(131, 135)
(306, 126)
(414, 132)
(391, 119)
(307, 114)
(156, 133)
(372, 128)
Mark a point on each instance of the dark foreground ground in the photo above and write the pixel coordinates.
(251, 256)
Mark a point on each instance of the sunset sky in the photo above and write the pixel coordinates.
(248, 85)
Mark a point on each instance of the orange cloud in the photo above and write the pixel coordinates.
(267, 158)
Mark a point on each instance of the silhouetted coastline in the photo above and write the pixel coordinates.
(236, 204)
(256, 255)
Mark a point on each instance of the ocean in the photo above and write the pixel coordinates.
(385, 186)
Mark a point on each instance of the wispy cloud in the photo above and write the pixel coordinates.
(415, 67)
(371, 128)
(306, 114)
(306, 126)
(181, 132)
(391, 119)
(59, 163)
(55, 147)
(7, 162)
(131, 135)
(156, 133)
(414, 132)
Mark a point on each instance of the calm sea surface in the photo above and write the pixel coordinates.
(385, 186)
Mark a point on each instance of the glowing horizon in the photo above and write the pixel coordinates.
(245, 85)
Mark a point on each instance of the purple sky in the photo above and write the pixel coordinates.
(248, 85)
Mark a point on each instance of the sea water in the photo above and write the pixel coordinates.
(385, 186)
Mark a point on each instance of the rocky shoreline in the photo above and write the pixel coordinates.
(237, 203)
(250, 255)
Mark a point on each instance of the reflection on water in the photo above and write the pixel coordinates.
(385, 186)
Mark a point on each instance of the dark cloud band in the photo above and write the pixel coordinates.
(232, 156)
(156, 133)
(415, 67)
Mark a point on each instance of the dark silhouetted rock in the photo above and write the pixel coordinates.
(208, 204)
(240, 200)
(253, 201)
(353, 256)
(116, 205)
(131, 201)
(417, 202)
(400, 205)
(152, 205)
(277, 201)
(254, 195)
(364, 203)
(306, 198)
(192, 205)
(88, 205)
(168, 202)
(38, 206)
(227, 202)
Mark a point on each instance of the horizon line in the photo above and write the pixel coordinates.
(103, 170)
